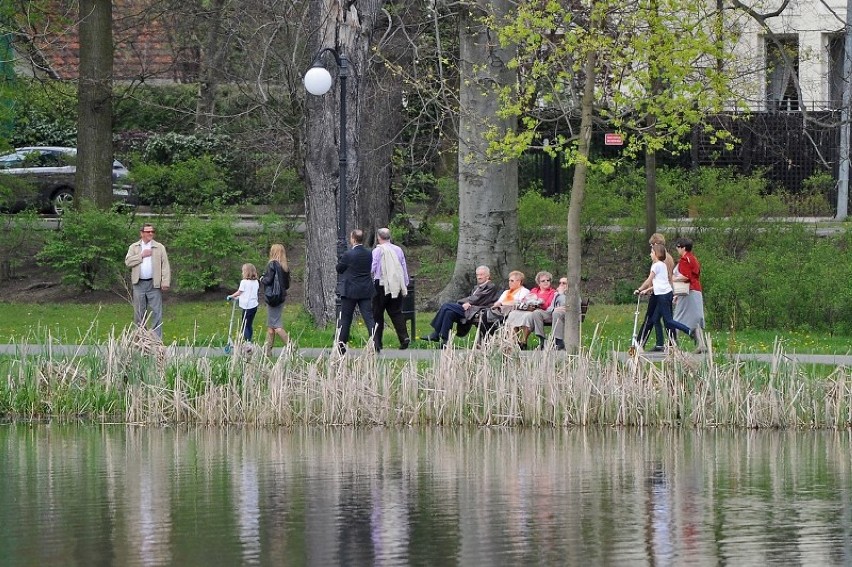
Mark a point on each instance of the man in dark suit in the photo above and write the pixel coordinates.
(463, 311)
(356, 287)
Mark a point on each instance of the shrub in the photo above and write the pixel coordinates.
(18, 240)
(205, 252)
(193, 184)
(89, 248)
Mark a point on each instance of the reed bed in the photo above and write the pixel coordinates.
(132, 379)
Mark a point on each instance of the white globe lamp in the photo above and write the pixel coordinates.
(318, 81)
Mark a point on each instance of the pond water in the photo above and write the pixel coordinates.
(118, 495)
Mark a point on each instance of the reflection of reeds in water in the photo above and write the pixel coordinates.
(133, 378)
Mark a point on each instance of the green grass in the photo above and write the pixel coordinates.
(202, 324)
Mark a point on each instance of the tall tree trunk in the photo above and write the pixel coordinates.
(381, 105)
(488, 189)
(339, 25)
(94, 129)
(578, 193)
(650, 185)
(212, 60)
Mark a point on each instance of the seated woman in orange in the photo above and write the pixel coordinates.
(507, 301)
(521, 320)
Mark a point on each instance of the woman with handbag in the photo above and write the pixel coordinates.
(520, 321)
(689, 308)
(276, 281)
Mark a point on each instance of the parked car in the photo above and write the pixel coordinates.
(43, 177)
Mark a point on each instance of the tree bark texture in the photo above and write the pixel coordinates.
(94, 129)
(488, 187)
(381, 107)
(212, 60)
(347, 28)
(578, 193)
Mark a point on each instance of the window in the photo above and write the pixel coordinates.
(782, 66)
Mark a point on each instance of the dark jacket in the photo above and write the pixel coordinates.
(354, 267)
(482, 296)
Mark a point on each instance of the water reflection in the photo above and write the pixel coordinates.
(77, 495)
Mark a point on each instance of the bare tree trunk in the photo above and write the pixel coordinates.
(339, 25)
(212, 59)
(381, 107)
(650, 186)
(488, 189)
(94, 129)
(578, 193)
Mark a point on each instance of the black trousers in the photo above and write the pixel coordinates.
(347, 313)
(384, 303)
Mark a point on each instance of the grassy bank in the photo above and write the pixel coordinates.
(134, 382)
(206, 324)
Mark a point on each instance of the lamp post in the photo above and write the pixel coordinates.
(318, 82)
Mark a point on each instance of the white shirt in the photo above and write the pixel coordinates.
(146, 268)
(661, 278)
(248, 294)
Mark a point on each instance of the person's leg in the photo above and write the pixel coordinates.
(283, 334)
(393, 306)
(155, 304)
(365, 306)
(379, 305)
(664, 305)
(437, 322)
(270, 341)
(649, 322)
(140, 303)
(347, 311)
(655, 318)
(538, 320)
(558, 329)
(248, 323)
(454, 312)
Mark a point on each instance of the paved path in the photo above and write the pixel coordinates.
(410, 354)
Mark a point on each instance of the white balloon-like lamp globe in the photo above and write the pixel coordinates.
(318, 81)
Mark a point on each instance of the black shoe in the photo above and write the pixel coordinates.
(658, 348)
(430, 338)
(405, 344)
(560, 344)
(341, 348)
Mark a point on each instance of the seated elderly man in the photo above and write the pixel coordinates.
(463, 311)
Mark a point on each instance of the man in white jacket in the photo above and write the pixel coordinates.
(390, 276)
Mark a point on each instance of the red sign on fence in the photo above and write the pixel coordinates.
(612, 139)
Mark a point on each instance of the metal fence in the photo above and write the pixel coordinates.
(789, 147)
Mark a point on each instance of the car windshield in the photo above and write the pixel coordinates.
(11, 160)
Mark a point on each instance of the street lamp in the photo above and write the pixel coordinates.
(318, 82)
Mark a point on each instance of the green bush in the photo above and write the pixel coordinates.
(18, 242)
(204, 253)
(89, 248)
(45, 114)
(148, 107)
(193, 184)
(726, 194)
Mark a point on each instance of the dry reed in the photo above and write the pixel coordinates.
(133, 379)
